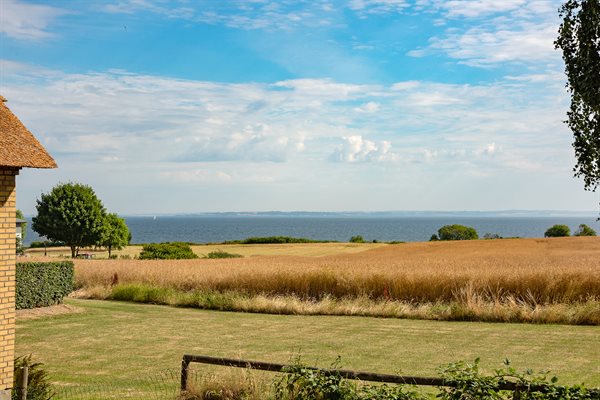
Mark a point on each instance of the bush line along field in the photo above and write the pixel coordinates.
(538, 280)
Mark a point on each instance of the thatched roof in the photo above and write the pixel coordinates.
(18, 146)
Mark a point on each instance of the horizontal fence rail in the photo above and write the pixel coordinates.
(346, 374)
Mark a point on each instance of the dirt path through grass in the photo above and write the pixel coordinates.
(121, 341)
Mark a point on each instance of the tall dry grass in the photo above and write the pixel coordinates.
(529, 271)
(530, 280)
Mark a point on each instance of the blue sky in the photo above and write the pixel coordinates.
(192, 106)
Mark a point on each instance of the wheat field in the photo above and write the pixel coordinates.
(538, 280)
(532, 270)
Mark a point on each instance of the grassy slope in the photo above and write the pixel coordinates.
(118, 342)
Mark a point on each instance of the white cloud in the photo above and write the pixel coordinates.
(406, 85)
(25, 21)
(484, 46)
(378, 6)
(256, 143)
(368, 107)
(356, 149)
(474, 9)
(490, 149)
(140, 127)
(479, 8)
(323, 89)
(196, 176)
(494, 32)
(238, 14)
(434, 98)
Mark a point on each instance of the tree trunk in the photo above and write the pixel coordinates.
(109, 249)
(73, 251)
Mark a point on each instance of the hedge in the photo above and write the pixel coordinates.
(40, 284)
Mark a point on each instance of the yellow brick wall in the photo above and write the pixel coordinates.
(7, 277)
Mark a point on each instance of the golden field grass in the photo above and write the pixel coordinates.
(543, 280)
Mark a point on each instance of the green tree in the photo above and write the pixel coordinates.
(115, 234)
(579, 39)
(71, 213)
(584, 230)
(457, 232)
(558, 231)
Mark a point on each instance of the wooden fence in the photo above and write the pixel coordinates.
(346, 374)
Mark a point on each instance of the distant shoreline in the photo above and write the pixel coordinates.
(382, 214)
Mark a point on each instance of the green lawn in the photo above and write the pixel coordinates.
(122, 343)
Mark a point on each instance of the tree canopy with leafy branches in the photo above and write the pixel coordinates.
(115, 234)
(71, 213)
(579, 39)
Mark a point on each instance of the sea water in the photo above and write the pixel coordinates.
(219, 228)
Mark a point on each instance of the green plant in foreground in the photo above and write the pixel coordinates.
(38, 383)
(304, 383)
(467, 382)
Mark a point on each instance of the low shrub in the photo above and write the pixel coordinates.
(357, 239)
(167, 251)
(43, 284)
(492, 236)
(467, 382)
(584, 230)
(558, 231)
(464, 381)
(222, 254)
(38, 382)
(457, 232)
(305, 383)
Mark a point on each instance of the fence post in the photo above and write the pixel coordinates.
(185, 364)
(24, 381)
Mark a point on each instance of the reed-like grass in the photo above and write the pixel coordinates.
(499, 276)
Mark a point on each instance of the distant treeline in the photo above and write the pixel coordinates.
(276, 240)
(256, 240)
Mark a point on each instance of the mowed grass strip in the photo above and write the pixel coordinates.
(122, 344)
(535, 276)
